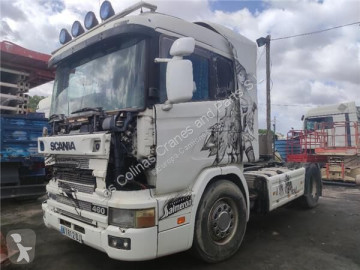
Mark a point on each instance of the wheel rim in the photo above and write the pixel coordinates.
(223, 220)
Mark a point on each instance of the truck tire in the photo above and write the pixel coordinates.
(220, 222)
(313, 186)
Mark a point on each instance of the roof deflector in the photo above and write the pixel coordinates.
(133, 8)
(204, 24)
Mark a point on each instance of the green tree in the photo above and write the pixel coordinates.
(262, 131)
(34, 101)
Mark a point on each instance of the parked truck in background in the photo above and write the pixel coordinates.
(22, 167)
(324, 117)
(335, 133)
(154, 146)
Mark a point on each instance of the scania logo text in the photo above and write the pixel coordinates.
(62, 146)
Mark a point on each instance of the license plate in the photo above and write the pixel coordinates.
(71, 234)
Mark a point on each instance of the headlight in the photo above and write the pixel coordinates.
(77, 29)
(64, 36)
(106, 10)
(132, 218)
(90, 20)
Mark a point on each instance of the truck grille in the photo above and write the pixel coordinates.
(73, 178)
(79, 187)
(74, 216)
(80, 163)
(71, 202)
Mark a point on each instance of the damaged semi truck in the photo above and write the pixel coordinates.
(154, 145)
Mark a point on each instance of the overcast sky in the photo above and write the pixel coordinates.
(306, 71)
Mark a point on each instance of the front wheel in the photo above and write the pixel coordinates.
(220, 222)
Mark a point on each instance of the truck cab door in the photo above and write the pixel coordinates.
(193, 135)
(181, 134)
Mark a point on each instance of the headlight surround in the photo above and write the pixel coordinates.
(132, 218)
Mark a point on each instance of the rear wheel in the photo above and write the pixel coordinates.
(220, 222)
(313, 186)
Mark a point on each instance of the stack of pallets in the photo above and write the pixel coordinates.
(14, 87)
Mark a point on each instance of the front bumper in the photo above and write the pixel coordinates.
(143, 241)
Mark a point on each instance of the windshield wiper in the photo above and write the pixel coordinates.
(88, 109)
(56, 117)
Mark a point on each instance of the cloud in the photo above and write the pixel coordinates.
(306, 71)
(310, 70)
(10, 10)
(53, 6)
(7, 33)
(42, 90)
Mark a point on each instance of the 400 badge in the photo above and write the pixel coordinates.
(99, 209)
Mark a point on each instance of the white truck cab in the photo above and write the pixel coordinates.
(154, 145)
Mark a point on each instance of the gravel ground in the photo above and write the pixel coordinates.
(290, 238)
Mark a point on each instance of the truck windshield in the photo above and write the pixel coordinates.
(318, 123)
(110, 76)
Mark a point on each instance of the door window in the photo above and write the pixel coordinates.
(201, 65)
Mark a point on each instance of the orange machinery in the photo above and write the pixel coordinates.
(335, 146)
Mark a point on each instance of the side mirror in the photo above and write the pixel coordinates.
(179, 81)
(302, 118)
(179, 72)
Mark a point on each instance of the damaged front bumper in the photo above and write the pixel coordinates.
(143, 241)
(94, 230)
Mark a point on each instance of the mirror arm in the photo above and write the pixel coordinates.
(162, 60)
(167, 106)
(166, 60)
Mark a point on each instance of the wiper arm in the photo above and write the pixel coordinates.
(88, 109)
(56, 117)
